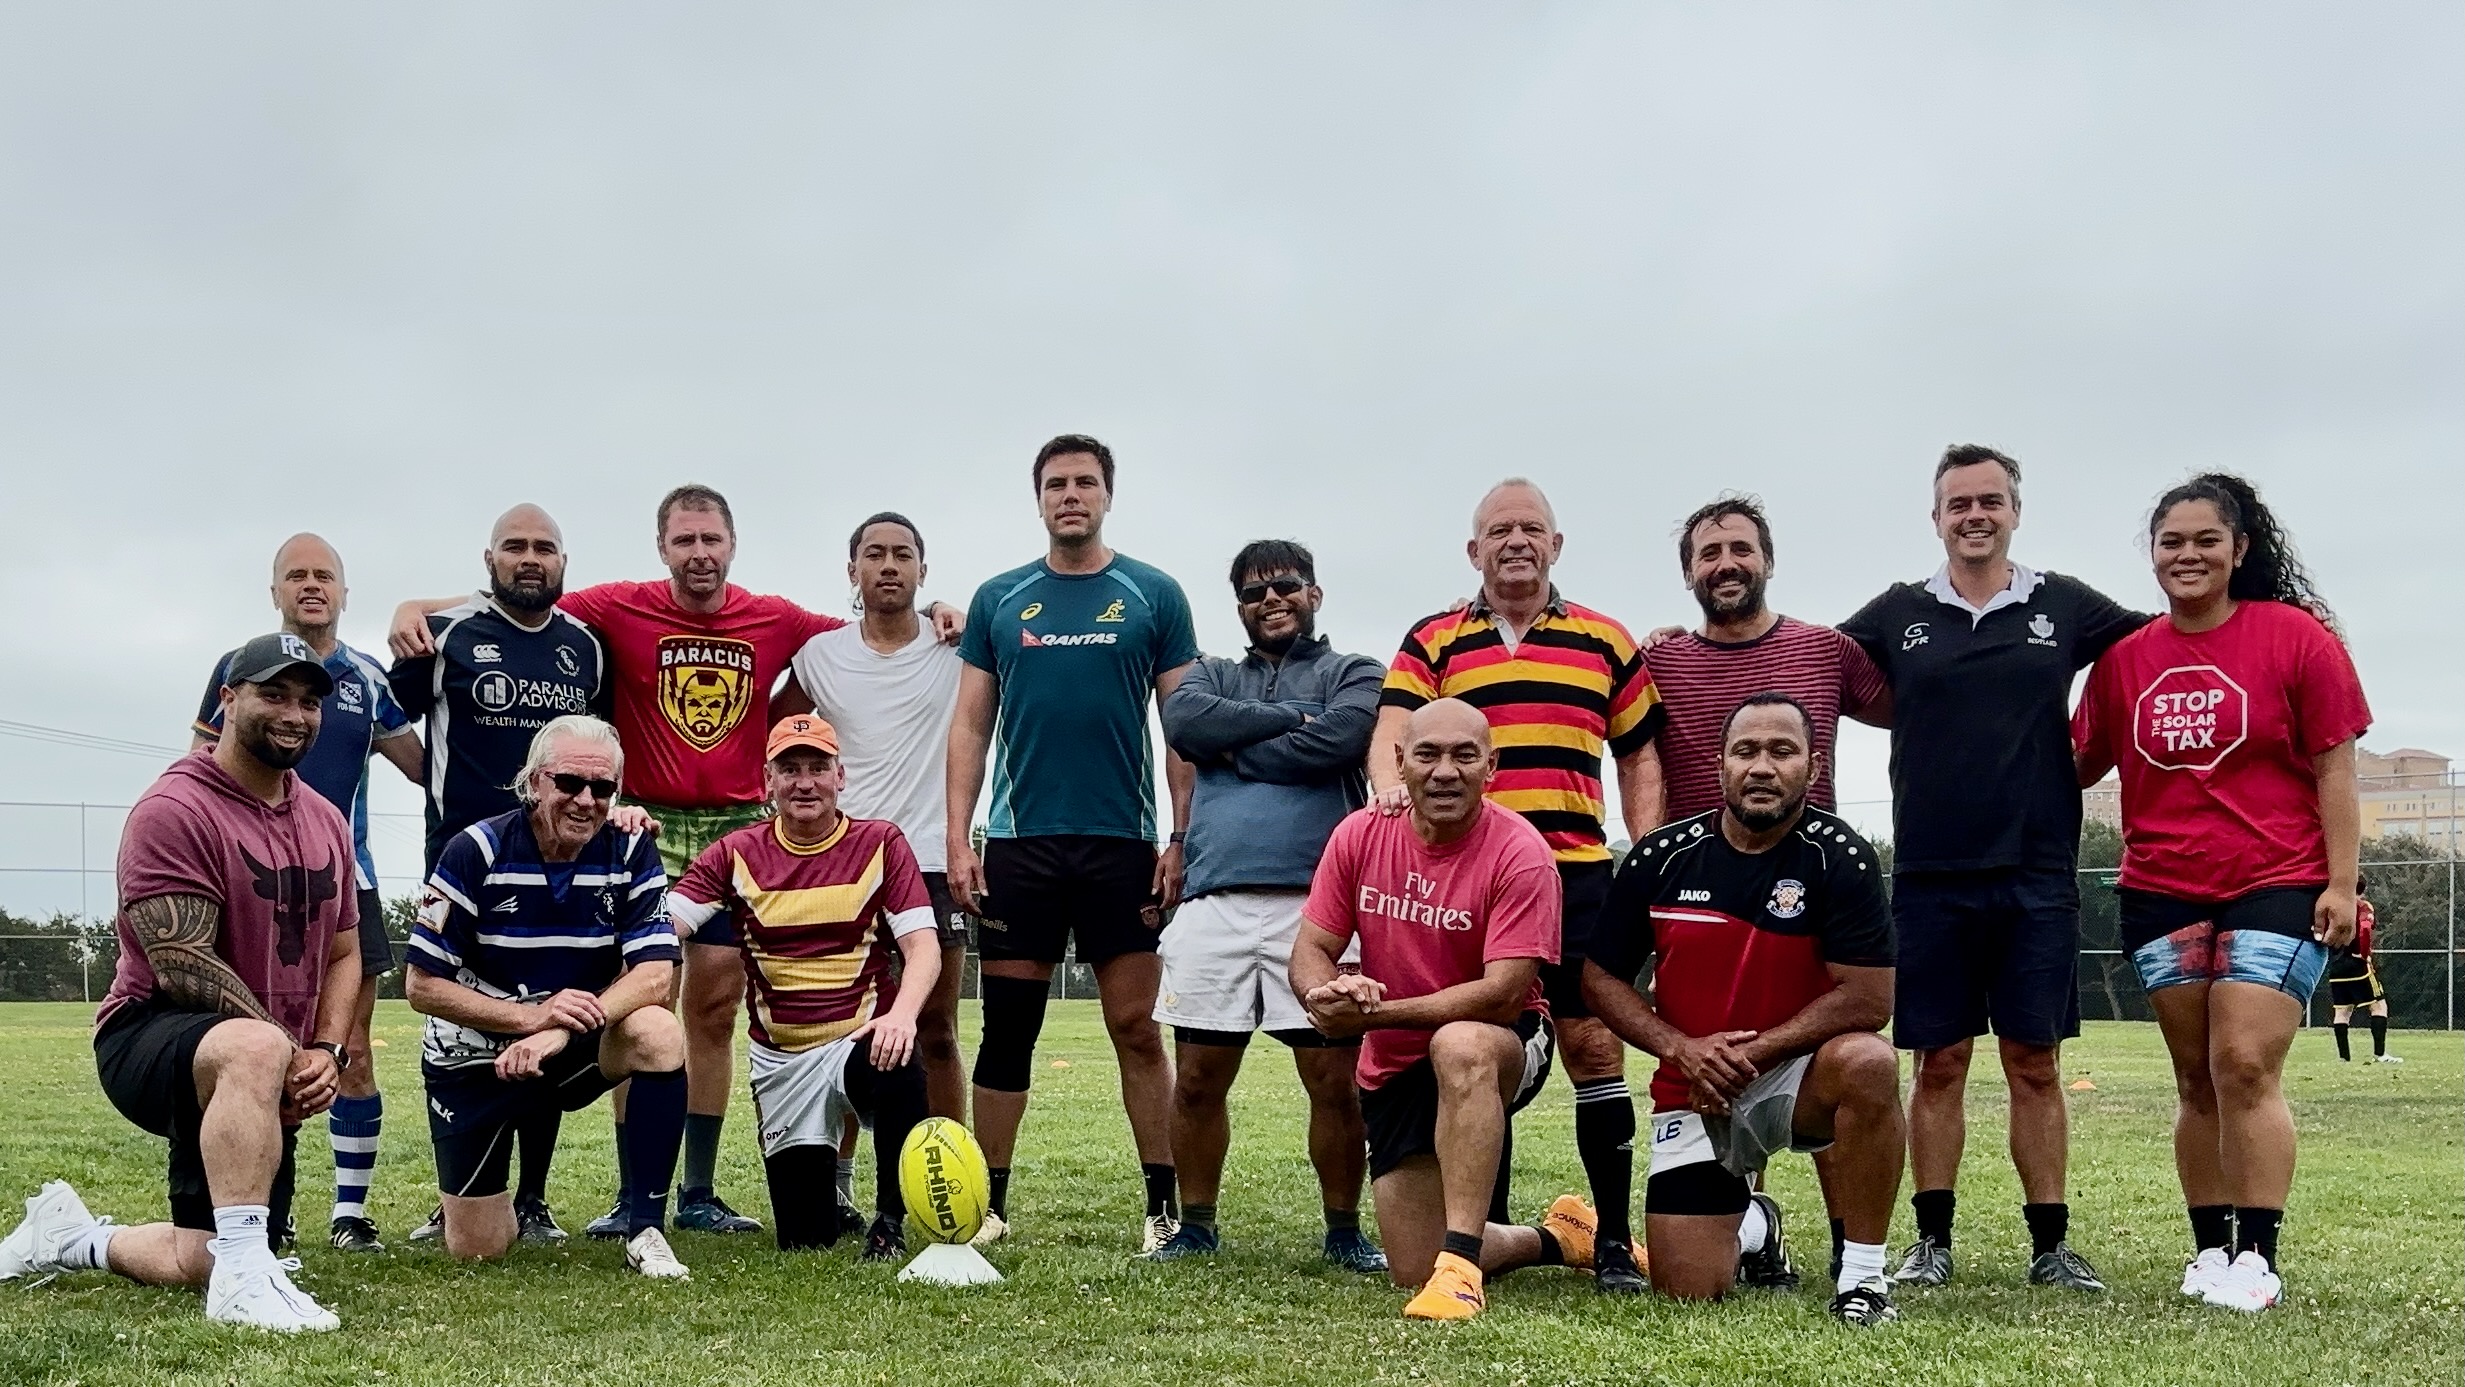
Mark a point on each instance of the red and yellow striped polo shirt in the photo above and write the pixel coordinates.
(1574, 684)
(815, 920)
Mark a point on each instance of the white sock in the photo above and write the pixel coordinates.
(241, 1234)
(1753, 1229)
(90, 1250)
(1857, 1262)
(847, 1179)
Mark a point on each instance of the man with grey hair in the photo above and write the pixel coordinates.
(360, 716)
(543, 961)
(1559, 684)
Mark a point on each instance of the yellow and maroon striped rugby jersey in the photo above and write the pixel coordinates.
(815, 922)
(1574, 684)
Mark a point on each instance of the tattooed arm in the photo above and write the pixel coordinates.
(177, 935)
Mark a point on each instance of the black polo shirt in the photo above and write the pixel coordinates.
(1981, 724)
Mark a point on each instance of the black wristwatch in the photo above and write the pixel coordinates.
(1176, 838)
(342, 1057)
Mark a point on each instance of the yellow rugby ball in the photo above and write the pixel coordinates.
(943, 1177)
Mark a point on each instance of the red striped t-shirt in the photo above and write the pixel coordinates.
(1574, 684)
(1702, 682)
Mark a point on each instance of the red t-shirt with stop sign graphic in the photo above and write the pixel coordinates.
(2213, 734)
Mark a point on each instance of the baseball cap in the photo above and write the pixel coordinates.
(270, 656)
(801, 729)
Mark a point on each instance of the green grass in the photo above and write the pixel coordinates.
(2375, 1247)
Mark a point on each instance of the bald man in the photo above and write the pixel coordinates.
(505, 663)
(1559, 684)
(361, 715)
(1455, 904)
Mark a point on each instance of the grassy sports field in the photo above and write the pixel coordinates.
(2375, 1260)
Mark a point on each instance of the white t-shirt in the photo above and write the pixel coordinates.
(892, 713)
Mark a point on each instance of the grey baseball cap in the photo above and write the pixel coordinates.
(269, 657)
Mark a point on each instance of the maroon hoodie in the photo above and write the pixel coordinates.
(282, 874)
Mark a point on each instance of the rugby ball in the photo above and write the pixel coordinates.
(943, 1177)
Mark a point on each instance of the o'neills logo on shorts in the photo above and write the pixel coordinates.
(705, 686)
(2189, 717)
(1373, 900)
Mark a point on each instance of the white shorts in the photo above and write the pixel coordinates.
(800, 1097)
(1761, 1124)
(1227, 963)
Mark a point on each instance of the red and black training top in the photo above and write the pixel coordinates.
(1743, 940)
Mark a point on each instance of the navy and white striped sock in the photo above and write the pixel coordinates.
(352, 1126)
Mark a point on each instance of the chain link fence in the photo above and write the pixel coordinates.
(57, 944)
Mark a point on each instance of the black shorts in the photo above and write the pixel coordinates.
(2357, 992)
(1040, 890)
(1297, 1038)
(146, 1055)
(949, 922)
(376, 952)
(1401, 1115)
(1583, 888)
(1991, 950)
(472, 1113)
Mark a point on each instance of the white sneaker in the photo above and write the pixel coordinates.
(258, 1293)
(1157, 1230)
(648, 1253)
(994, 1230)
(2387, 1059)
(2204, 1271)
(55, 1217)
(2248, 1285)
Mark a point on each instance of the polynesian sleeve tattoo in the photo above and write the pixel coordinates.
(177, 935)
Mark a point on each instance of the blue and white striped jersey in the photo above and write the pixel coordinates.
(502, 922)
(359, 713)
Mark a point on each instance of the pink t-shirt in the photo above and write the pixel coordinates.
(2212, 734)
(1432, 917)
(282, 874)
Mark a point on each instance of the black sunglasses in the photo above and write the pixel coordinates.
(1285, 586)
(576, 784)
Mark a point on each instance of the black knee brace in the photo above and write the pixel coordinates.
(1013, 1018)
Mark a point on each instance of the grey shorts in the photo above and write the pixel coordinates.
(1761, 1124)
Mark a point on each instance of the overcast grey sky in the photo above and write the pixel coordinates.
(1326, 272)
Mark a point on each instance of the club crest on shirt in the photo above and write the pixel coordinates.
(1788, 899)
(705, 686)
(567, 663)
(1111, 613)
(2041, 630)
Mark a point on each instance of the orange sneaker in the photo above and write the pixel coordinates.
(1452, 1293)
(1572, 1222)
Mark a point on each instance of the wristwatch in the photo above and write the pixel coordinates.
(342, 1057)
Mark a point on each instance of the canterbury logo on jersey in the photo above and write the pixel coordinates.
(1029, 640)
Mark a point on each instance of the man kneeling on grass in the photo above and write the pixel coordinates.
(543, 963)
(1456, 907)
(225, 1024)
(1773, 943)
(818, 899)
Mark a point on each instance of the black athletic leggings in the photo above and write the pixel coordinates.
(804, 1180)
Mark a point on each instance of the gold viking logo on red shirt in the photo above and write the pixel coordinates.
(705, 686)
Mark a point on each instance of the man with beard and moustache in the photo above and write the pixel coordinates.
(1725, 555)
(1277, 738)
(505, 663)
(360, 716)
(1560, 684)
(226, 1022)
(692, 659)
(1985, 843)
(1770, 940)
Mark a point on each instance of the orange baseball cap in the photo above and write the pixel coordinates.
(805, 730)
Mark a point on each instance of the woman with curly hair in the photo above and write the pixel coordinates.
(2232, 719)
